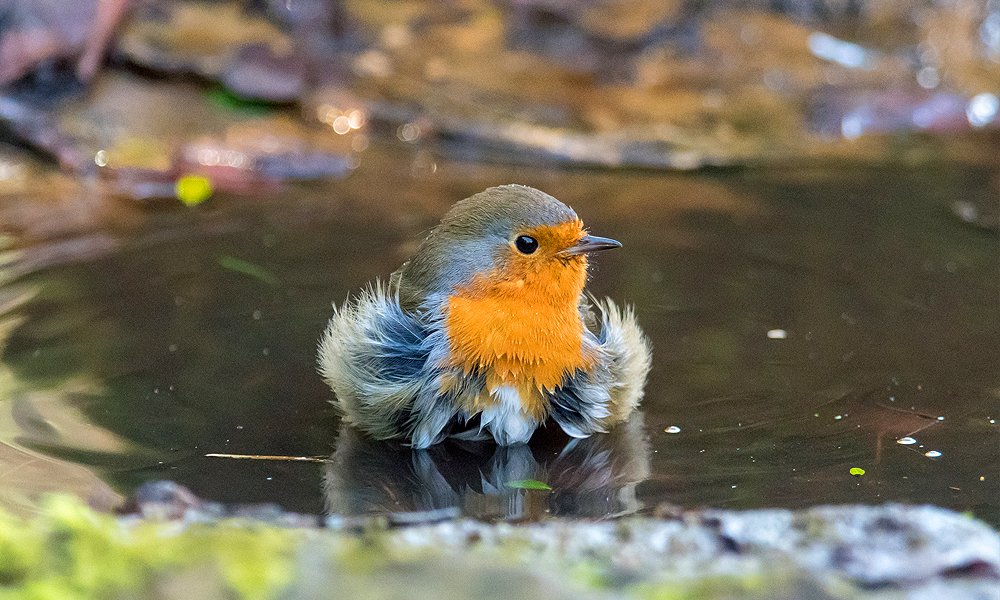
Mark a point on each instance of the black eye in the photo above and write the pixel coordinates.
(526, 244)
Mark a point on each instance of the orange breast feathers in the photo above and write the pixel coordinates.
(520, 324)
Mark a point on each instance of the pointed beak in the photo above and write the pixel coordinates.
(591, 243)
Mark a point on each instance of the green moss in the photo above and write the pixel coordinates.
(70, 551)
(20, 548)
(257, 562)
(747, 587)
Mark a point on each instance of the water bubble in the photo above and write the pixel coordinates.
(932, 454)
(852, 126)
(672, 429)
(982, 109)
(989, 33)
(906, 441)
(777, 334)
(356, 119)
(408, 132)
(940, 418)
(360, 143)
(341, 125)
(928, 78)
(844, 53)
(373, 63)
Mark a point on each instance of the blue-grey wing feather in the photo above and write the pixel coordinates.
(380, 361)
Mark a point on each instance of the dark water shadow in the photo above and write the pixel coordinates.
(594, 477)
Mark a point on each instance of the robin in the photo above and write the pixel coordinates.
(487, 331)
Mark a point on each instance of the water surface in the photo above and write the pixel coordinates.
(803, 321)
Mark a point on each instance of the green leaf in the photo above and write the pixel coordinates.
(528, 484)
(857, 471)
(249, 269)
(227, 100)
(192, 190)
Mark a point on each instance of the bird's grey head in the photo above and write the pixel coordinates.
(474, 237)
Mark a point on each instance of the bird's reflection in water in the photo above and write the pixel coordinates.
(592, 477)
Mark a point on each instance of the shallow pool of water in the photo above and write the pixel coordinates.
(803, 322)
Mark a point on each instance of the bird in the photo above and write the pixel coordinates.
(488, 332)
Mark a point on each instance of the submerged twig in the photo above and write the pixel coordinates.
(311, 459)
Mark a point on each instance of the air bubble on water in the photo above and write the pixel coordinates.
(672, 429)
(906, 441)
(982, 109)
(932, 454)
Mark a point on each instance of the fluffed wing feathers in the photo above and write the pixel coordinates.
(387, 366)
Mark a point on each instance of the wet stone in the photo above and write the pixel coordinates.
(831, 550)
(657, 85)
(204, 38)
(163, 500)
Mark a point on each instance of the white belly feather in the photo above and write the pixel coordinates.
(506, 420)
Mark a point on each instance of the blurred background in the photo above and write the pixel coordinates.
(807, 190)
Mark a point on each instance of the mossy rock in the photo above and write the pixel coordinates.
(72, 551)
